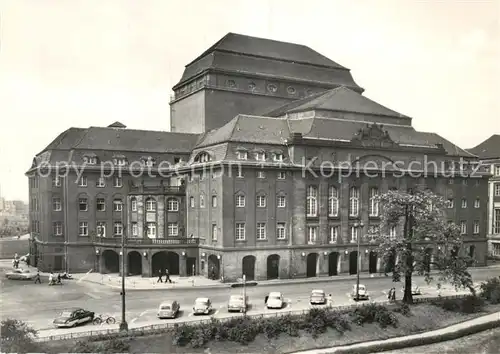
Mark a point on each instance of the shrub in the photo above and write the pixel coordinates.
(115, 345)
(490, 290)
(469, 304)
(403, 309)
(374, 313)
(18, 337)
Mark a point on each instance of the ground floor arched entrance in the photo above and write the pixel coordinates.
(134, 263)
(372, 266)
(333, 263)
(353, 262)
(248, 266)
(213, 267)
(163, 260)
(110, 261)
(273, 266)
(312, 265)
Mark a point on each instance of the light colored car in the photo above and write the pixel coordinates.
(362, 293)
(415, 290)
(20, 274)
(317, 297)
(275, 300)
(237, 303)
(168, 309)
(202, 306)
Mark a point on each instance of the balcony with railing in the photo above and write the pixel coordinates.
(149, 242)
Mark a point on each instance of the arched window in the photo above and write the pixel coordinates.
(374, 210)
(354, 202)
(202, 157)
(333, 201)
(172, 204)
(150, 204)
(312, 201)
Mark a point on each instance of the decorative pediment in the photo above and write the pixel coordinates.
(373, 135)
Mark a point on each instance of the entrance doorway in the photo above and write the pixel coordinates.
(353, 262)
(134, 263)
(273, 266)
(312, 264)
(58, 263)
(249, 267)
(213, 267)
(191, 266)
(333, 263)
(373, 262)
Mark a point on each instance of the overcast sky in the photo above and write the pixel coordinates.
(92, 62)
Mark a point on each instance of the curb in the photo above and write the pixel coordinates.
(405, 342)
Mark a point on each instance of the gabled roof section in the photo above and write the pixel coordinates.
(117, 125)
(109, 138)
(488, 149)
(340, 99)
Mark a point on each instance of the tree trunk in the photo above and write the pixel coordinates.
(408, 297)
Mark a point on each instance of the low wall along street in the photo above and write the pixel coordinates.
(145, 330)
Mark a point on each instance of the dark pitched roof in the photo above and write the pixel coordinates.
(488, 149)
(117, 125)
(338, 99)
(100, 138)
(273, 59)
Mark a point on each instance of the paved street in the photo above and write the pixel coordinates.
(38, 304)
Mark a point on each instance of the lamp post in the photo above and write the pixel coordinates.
(358, 266)
(244, 293)
(123, 324)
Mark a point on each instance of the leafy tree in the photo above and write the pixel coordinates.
(18, 337)
(421, 216)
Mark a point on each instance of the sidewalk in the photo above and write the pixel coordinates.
(440, 335)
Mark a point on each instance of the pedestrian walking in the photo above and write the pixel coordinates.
(167, 276)
(37, 277)
(330, 300)
(393, 294)
(160, 275)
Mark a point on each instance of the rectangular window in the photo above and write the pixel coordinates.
(242, 155)
(312, 201)
(463, 227)
(260, 156)
(56, 204)
(173, 229)
(333, 201)
(56, 181)
(118, 228)
(239, 172)
(354, 234)
(476, 227)
(334, 234)
(281, 175)
(82, 182)
(240, 201)
(91, 160)
(100, 204)
(278, 157)
(261, 174)
(312, 234)
(281, 231)
(496, 222)
(83, 228)
(393, 232)
(150, 204)
(281, 201)
(465, 182)
(354, 202)
(172, 204)
(497, 170)
(240, 231)
(191, 202)
(261, 201)
(261, 231)
(450, 203)
(118, 182)
(133, 204)
(497, 189)
(477, 203)
(464, 203)
(101, 182)
(151, 229)
(82, 204)
(214, 232)
(214, 201)
(117, 205)
(57, 228)
(101, 229)
(202, 201)
(135, 229)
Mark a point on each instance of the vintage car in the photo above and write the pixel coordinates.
(361, 294)
(237, 303)
(317, 297)
(275, 300)
(202, 306)
(73, 317)
(20, 274)
(168, 309)
(415, 290)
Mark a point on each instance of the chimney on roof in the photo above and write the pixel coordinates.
(117, 125)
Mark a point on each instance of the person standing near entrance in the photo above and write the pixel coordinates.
(167, 276)
(160, 275)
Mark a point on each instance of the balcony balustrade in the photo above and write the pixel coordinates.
(141, 189)
(146, 241)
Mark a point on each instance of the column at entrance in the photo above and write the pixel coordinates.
(182, 264)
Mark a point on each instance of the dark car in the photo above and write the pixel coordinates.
(73, 317)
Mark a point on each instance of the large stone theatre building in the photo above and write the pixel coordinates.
(270, 169)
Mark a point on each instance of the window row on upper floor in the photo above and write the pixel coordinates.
(150, 204)
(450, 203)
(239, 173)
(243, 154)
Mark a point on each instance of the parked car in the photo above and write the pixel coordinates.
(415, 290)
(20, 274)
(317, 297)
(168, 309)
(275, 300)
(362, 293)
(202, 306)
(73, 317)
(237, 303)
